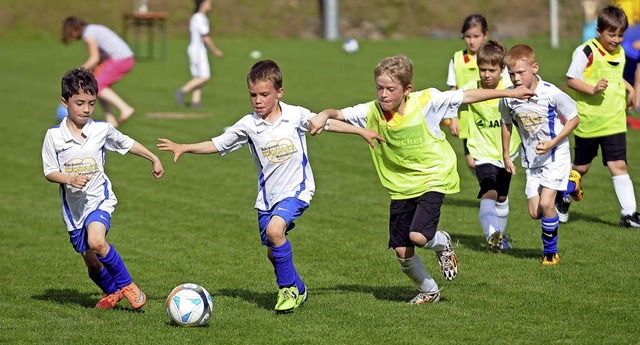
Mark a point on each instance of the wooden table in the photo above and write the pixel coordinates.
(150, 20)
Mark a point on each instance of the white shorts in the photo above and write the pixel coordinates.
(554, 176)
(199, 62)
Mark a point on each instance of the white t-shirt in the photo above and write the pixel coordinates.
(62, 152)
(539, 119)
(109, 43)
(198, 27)
(578, 64)
(279, 151)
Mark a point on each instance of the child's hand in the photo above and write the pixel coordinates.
(509, 166)
(454, 127)
(218, 53)
(370, 135)
(600, 86)
(543, 146)
(158, 169)
(317, 123)
(168, 145)
(79, 181)
(522, 92)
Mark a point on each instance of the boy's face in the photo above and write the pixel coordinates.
(264, 97)
(611, 39)
(390, 93)
(80, 107)
(524, 73)
(489, 75)
(473, 38)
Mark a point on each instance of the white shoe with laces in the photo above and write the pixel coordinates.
(447, 259)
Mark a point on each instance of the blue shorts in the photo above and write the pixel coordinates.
(78, 238)
(289, 209)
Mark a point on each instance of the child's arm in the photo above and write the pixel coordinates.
(205, 147)
(545, 145)
(78, 181)
(506, 145)
(209, 42)
(317, 123)
(479, 95)
(141, 151)
(94, 54)
(367, 134)
(631, 94)
(581, 86)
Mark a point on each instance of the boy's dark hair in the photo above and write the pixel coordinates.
(265, 70)
(76, 80)
(198, 3)
(71, 27)
(612, 18)
(491, 52)
(475, 20)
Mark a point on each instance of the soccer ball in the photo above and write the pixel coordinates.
(350, 46)
(255, 54)
(189, 305)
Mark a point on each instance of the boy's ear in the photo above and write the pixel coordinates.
(64, 102)
(408, 90)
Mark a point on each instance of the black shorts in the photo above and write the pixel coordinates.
(464, 147)
(492, 177)
(614, 148)
(420, 214)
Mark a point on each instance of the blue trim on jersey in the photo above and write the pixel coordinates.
(551, 111)
(65, 206)
(305, 161)
(261, 180)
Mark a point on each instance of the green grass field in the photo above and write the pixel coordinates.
(197, 224)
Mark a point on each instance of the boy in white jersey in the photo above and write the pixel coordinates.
(73, 155)
(545, 147)
(197, 51)
(415, 164)
(485, 146)
(596, 78)
(275, 135)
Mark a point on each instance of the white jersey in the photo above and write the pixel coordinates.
(279, 151)
(62, 152)
(198, 27)
(539, 119)
(109, 43)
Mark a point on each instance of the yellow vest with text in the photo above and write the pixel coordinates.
(466, 69)
(603, 113)
(412, 161)
(485, 127)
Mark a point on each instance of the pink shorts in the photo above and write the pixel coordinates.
(110, 71)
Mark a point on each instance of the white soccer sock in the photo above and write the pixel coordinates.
(488, 217)
(414, 269)
(502, 209)
(438, 243)
(624, 190)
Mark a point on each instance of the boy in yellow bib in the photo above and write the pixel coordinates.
(602, 97)
(415, 163)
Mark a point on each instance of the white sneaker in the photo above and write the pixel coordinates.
(447, 259)
(426, 297)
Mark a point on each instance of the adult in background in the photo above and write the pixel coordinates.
(110, 59)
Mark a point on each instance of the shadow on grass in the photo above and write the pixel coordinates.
(73, 296)
(264, 300)
(477, 243)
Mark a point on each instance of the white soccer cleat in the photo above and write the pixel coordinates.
(447, 259)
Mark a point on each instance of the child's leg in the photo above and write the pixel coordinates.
(98, 273)
(107, 254)
(623, 186)
(549, 224)
(502, 211)
(414, 269)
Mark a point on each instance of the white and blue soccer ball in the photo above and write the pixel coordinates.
(189, 305)
(350, 46)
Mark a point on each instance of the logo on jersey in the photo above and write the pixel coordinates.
(81, 166)
(278, 151)
(530, 121)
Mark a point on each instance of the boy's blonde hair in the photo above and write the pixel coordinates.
(491, 52)
(520, 52)
(265, 70)
(612, 18)
(399, 68)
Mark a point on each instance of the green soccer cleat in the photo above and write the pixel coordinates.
(287, 300)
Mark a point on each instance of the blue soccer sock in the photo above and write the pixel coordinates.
(286, 274)
(104, 280)
(550, 234)
(114, 264)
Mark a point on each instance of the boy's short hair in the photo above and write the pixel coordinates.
(70, 27)
(491, 52)
(76, 80)
(612, 18)
(398, 67)
(265, 70)
(520, 52)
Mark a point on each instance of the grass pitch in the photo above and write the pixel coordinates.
(197, 223)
